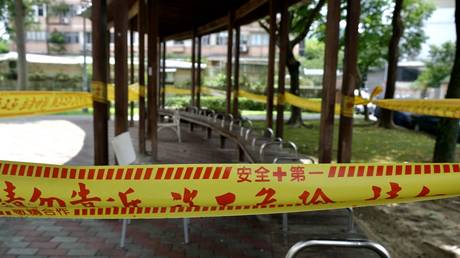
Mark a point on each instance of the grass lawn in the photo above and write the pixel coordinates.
(370, 143)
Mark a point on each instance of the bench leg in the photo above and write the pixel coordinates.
(191, 127)
(222, 142)
(209, 133)
(240, 154)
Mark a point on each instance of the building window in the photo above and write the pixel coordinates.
(36, 36)
(72, 37)
(259, 39)
(178, 42)
(221, 39)
(205, 40)
(41, 10)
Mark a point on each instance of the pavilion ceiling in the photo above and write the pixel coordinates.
(179, 18)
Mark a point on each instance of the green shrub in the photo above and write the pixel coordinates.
(4, 48)
(211, 102)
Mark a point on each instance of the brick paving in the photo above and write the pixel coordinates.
(242, 236)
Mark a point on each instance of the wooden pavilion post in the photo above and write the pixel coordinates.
(329, 82)
(100, 114)
(163, 77)
(198, 74)
(284, 40)
(131, 68)
(153, 72)
(141, 23)
(121, 66)
(229, 61)
(349, 81)
(271, 64)
(193, 88)
(236, 83)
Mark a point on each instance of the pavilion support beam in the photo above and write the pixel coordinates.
(329, 82)
(193, 88)
(121, 67)
(141, 28)
(284, 41)
(109, 69)
(131, 69)
(349, 81)
(236, 84)
(271, 64)
(229, 61)
(198, 74)
(100, 63)
(153, 45)
(163, 73)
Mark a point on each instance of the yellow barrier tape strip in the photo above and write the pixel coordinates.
(308, 104)
(133, 92)
(177, 91)
(204, 190)
(21, 103)
(99, 90)
(442, 108)
(347, 106)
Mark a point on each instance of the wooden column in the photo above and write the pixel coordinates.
(163, 77)
(349, 81)
(131, 68)
(153, 72)
(284, 41)
(236, 78)
(271, 64)
(100, 114)
(193, 88)
(329, 82)
(141, 28)
(121, 66)
(229, 61)
(198, 75)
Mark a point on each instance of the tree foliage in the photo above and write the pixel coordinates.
(438, 65)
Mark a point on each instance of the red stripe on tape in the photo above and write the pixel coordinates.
(197, 173)
(138, 173)
(227, 172)
(361, 170)
(148, 173)
(342, 171)
(159, 173)
(188, 173)
(370, 171)
(169, 173)
(178, 174)
(216, 174)
(207, 173)
(427, 169)
(379, 170)
(351, 171)
(332, 171)
(389, 170)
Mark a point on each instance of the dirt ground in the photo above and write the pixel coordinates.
(423, 229)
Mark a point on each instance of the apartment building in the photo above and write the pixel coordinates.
(58, 28)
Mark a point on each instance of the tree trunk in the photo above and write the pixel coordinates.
(386, 119)
(444, 150)
(20, 45)
(293, 67)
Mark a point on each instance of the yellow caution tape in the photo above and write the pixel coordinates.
(99, 90)
(347, 107)
(313, 105)
(133, 92)
(434, 107)
(20, 103)
(177, 91)
(204, 190)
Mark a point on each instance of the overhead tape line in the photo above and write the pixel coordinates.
(17, 103)
(205, 190)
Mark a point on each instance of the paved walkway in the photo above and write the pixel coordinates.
(243, 236)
